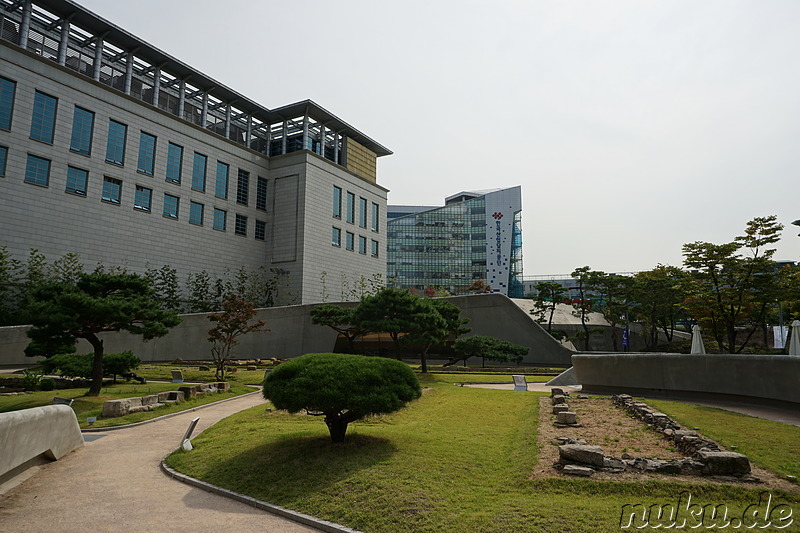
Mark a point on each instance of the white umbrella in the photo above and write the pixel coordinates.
(697, 341)
(794, 338)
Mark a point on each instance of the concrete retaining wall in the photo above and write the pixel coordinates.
(770, 379)
(292, 334)
(51, 431)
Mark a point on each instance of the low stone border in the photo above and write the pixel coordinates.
(704, 457)
(302, 518)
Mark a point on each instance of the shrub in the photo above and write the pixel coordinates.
(47, 384)
(80, 365)
(341, 387)
(31, 379)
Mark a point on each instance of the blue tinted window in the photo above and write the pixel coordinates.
(220, 219)
(375, 212)
(82, 131)
(37, 171)
(43, 122)
(240, 225)
(199, 172)
(7, 91)
(115, 148)
(112, 190)
(143, 198)
(374, 248)
(3, 159)
(337, 202)
(349, 241)
(174, 163)
(196, 213)
(362, 244)
(351, 208)
(362, 214)
(147, 154)
(77, 179)
(261, 194)
(336, 237)
(243, 187)
(171, 206)
(221, 189)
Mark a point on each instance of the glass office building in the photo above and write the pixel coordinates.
(476, 235)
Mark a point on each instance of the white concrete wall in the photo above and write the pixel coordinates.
(51, 431)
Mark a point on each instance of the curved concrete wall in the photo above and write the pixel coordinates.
(51, 431)
(292, 334)
(759, 378)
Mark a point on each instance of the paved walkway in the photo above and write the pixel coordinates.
(114, 483)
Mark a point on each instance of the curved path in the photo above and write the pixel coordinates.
(114, 483)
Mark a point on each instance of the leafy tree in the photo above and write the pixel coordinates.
(341, 387)
(490, 348)
(728, 288)
(480, 287)
(426, 327)
(80, 365)
(455, 324)
(67, 268)
(9, 286)
(583, 305)
(231, 323)
(61, 313)
(389, 311)
(659, 295)
(613, 292)
(339, 319)
(547, 296)
(199, 287)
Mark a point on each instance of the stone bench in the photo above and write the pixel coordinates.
(126, 406)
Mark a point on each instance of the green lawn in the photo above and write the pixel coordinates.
(458, 459)
(191, 373)
(771, 445)
(85, 406)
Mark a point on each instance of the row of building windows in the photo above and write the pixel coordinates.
(350, 241)
(37, 172)
(350, 209)
(43, 128)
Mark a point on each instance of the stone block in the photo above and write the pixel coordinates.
(560, 408)
(204, 368)
(723, 463)
(555, 391)
(189, 391)
(574, 470)
(121, 407)
(223, 386)
(566, 417)
(150, 399)
(558, 399)
(252, 367)
(584, 454)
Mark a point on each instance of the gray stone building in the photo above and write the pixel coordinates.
(113, 149)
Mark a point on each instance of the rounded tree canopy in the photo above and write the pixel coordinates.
(338, 383)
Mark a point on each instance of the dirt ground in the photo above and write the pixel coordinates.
(617, 433)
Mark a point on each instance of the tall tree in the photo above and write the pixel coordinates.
(232, 322)
(388, 311)
(583, 305)
(61, 313)
(733, 284)
(546, 297)
(613, 293)
(659, 295)
(490, 348)
(339, 319)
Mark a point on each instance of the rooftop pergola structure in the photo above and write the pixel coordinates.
(76, 38)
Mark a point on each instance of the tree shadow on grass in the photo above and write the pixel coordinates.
(296, 466)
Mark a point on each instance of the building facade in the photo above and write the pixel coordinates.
(474, 236)
(112, 149)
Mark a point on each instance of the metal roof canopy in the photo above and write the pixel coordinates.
(80, 16)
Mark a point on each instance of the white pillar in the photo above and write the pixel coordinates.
(181, 98)
(285, 135)
(203, 118)
(25, 25)
(98, 58)
(62, 44)
(228, 121)
(128, 73)
(305, 132)
(157, 85)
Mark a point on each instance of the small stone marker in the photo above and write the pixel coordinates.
(177, 376)
(566, 417)
(560, 408)
(558, 399)
(584, 454)
(555, 391)
(519, 382)
(575, 470)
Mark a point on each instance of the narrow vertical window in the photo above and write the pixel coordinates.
(171, 205)
(336, 237)
(3, 159)
(143, 198)
(375, 216)
(351, 208)
(349, 241)
(362, 245)
(115, 148)
(174, 163)
(337, 202)
(82, 131)
(362, 213)
(240, 225)
(199, 172)
(43, 121)
(147, 154)
(77, 178)
(37, 171)
(220, 219)
(374, 248)
(261, 230)
(8, 90)
(196, 213)
(243, 187)
(221, 187)
(261, 194)
(112, 190)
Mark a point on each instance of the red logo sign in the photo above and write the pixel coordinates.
(497, 216)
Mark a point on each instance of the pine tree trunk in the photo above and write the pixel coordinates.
(97, 365)
(337, 427)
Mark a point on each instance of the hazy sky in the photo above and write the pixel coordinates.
(633, 127)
